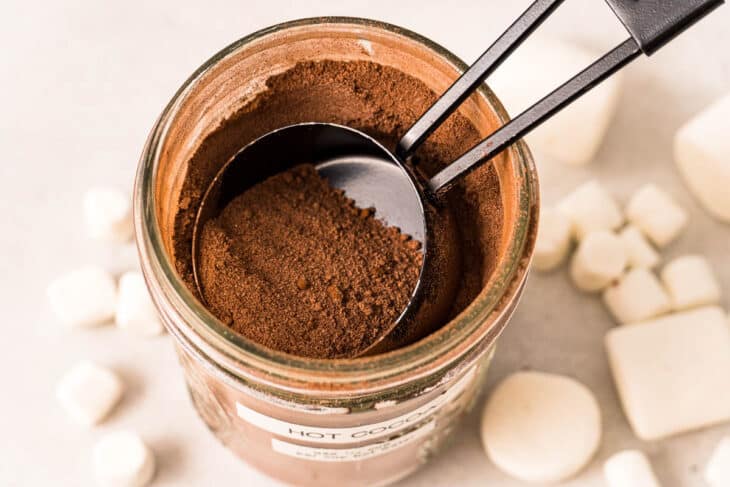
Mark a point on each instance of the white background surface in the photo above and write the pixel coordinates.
(82, 83)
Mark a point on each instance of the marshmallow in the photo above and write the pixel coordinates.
(673, 373)
(590, 209)
(541, 427)
(600, 259)
(702, 154)
(717, 470)
(108, 214)
(690, 282)
(574, 135)
(629, 468)
(637, 296)
(553, 239)
(83, 298)
(121, 459)
(655, 213)
(135, 310)
(88, 392)
(638, 249)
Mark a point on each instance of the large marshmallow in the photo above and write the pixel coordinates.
(574, 135)
(639, 251)
(121, 459)
(637, 296)
(84, 297)
(656, 214)
(702, 153)
(108, 214)
(598, 261)
(629, 468)
(590, 209)
(690, 282)
(717, 470)
(135, 310)
(673, 373)
(541, 427)
(553, 239)
(88, 392)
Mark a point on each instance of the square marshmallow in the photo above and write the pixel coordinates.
(590, 209)
(108, 214)
(540, 66)
(673, 373)
(656, 214)
(702, 154)
(122, 459)
(629, 468)
(553, 239)
(639, 251)
(717, 470)
(135, 309)
(690, 282)
(83, 298)
(637, 296)
(599, 259)
(88, 392)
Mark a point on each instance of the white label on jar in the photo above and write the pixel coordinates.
(316, 434)
(349, 454)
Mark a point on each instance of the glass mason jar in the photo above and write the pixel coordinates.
(364, 421)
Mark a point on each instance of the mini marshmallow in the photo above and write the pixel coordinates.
(717, 470)
(690, 282)
(83, 298)
(656, 214)
(600, 259)
(673, 373)
(108, 214)
(702, 154)
(637, 296)
(553, 239)
(88, 392)
(135, 310)
(121, 459)
(629, 468)
(638, 249)
(590, 209)
(541, 427)
(539, 67)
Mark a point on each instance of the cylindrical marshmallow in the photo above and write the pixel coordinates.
(121, 459)
(553, 239)
(599, 260)
(629, 468)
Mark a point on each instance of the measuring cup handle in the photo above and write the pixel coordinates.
(475, 75)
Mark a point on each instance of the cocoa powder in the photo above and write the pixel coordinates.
(383, 102)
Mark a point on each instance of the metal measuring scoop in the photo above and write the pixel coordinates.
(373, 176)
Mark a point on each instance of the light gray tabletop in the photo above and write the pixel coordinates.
(83, 82)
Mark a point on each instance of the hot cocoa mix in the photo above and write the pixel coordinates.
(382, 102)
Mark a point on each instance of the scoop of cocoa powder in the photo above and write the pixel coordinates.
(292, 264)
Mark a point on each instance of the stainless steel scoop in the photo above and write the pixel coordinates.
(375, 177)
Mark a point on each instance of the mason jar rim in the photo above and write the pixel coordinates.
(244, 358)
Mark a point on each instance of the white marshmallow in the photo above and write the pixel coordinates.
(629, 468)
(590, 209)
(599, 260)
(121, 459)
(639, 251)
(717, 470)
(553, 239)
(541, 427)
(637, 296)
(84, 297)
(135, 310)
(108, 214)
(656, 214)
(702, 154)
(574, 135)
(690, 282)
(88, 392)
(673, 373)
